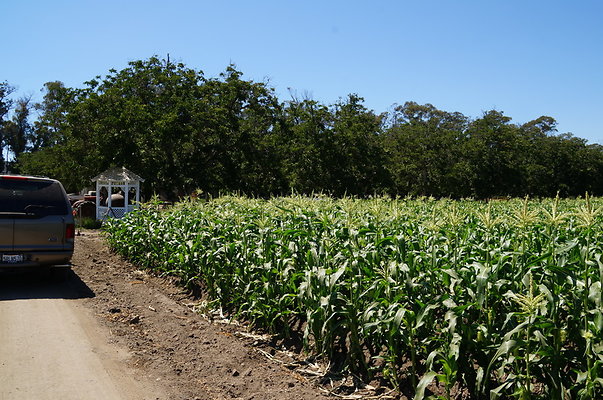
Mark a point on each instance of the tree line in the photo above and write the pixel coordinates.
(184, 132)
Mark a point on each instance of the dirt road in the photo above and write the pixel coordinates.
(109, 332)
(52, 348)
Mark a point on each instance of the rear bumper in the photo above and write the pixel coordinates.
(39, 258)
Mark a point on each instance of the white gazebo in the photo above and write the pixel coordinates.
(117, 192)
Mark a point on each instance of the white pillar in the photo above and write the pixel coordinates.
(97, 200)
(126, 195)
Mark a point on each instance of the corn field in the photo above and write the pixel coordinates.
(449, 298)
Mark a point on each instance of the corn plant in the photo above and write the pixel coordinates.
(498, 300)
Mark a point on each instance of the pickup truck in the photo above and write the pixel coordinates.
(36, 222)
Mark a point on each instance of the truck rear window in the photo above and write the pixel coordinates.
(32, 198)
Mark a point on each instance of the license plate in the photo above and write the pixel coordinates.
(12, 259)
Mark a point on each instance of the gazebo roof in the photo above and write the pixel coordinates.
(117, 174)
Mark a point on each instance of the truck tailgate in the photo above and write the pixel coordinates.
(40, 234)
(6, 234)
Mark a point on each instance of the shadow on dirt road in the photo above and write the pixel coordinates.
(59, 284)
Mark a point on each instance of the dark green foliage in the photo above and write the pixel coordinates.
(183, 132)
(5, 106)
(19, 130)
(88, 223)
(428, 152)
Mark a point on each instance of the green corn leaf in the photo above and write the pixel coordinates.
(423, 383)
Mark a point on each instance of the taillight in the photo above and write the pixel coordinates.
(13, 178)
(70, 231)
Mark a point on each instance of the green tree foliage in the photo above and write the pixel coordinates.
(241, 126)
(494, 148)
(53, 111)
(305, 131)
(5, 107)
(19, 130)
(182, 131)
(355, 162)
(334, 150)
(426, 149)
(433, 152)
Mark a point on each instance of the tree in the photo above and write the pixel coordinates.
(497, 151)
(141, 118)
(19, 130)
(164, 121)
(53, 111)
(354, 160)
(306, 127)
(182, 132)
(426, 150)
(5, 107)
(540, 177)
(239, 128)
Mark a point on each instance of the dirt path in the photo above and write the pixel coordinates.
(51, 348)
(112, 332)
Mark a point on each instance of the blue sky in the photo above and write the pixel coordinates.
(525, 58)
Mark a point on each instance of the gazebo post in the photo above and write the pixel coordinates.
(126, 195)
(97, 199)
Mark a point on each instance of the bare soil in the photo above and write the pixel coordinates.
(168, 339)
